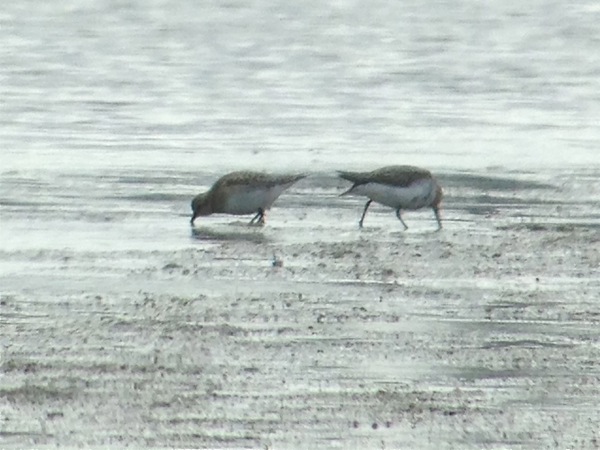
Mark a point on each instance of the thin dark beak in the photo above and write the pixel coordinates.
(192, 220)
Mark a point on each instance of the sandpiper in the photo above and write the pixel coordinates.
(242, 193)
(400, 187)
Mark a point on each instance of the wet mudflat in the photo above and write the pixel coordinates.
(120, 325)
(308, 333)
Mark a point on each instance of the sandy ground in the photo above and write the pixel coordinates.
(310, 333)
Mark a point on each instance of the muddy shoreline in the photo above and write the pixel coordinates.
(483, 335)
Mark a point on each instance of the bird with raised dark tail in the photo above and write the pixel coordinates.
(399, 187)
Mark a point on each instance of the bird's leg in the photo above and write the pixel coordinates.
(436, 211)
(360, 222)
(400, 217)
(260, 216)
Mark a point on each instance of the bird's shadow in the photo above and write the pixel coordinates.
(234, 232)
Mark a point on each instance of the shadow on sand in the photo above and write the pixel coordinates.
(233, 232)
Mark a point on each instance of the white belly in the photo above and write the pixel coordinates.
(417, 195)
(250, 200)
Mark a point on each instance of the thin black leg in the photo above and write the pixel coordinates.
(436, 211)
(360, 222)
(260, 216)
(400, 217)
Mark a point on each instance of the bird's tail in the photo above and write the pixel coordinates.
(291, 178)
(348, 192)
(355, 177)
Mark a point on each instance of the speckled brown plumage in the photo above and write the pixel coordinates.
(242, 192)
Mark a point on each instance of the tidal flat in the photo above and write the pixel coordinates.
(139, 330)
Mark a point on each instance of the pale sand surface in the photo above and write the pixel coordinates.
(142, 332)
(119, 326)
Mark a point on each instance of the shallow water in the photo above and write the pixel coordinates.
(122, 325)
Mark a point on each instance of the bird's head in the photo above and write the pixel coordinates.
(200, 206)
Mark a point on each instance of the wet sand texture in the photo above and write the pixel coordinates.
(483, 335)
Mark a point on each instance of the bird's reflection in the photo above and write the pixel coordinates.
(230, 233)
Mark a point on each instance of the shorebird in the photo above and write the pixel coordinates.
(400, 187)
(242, 193)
